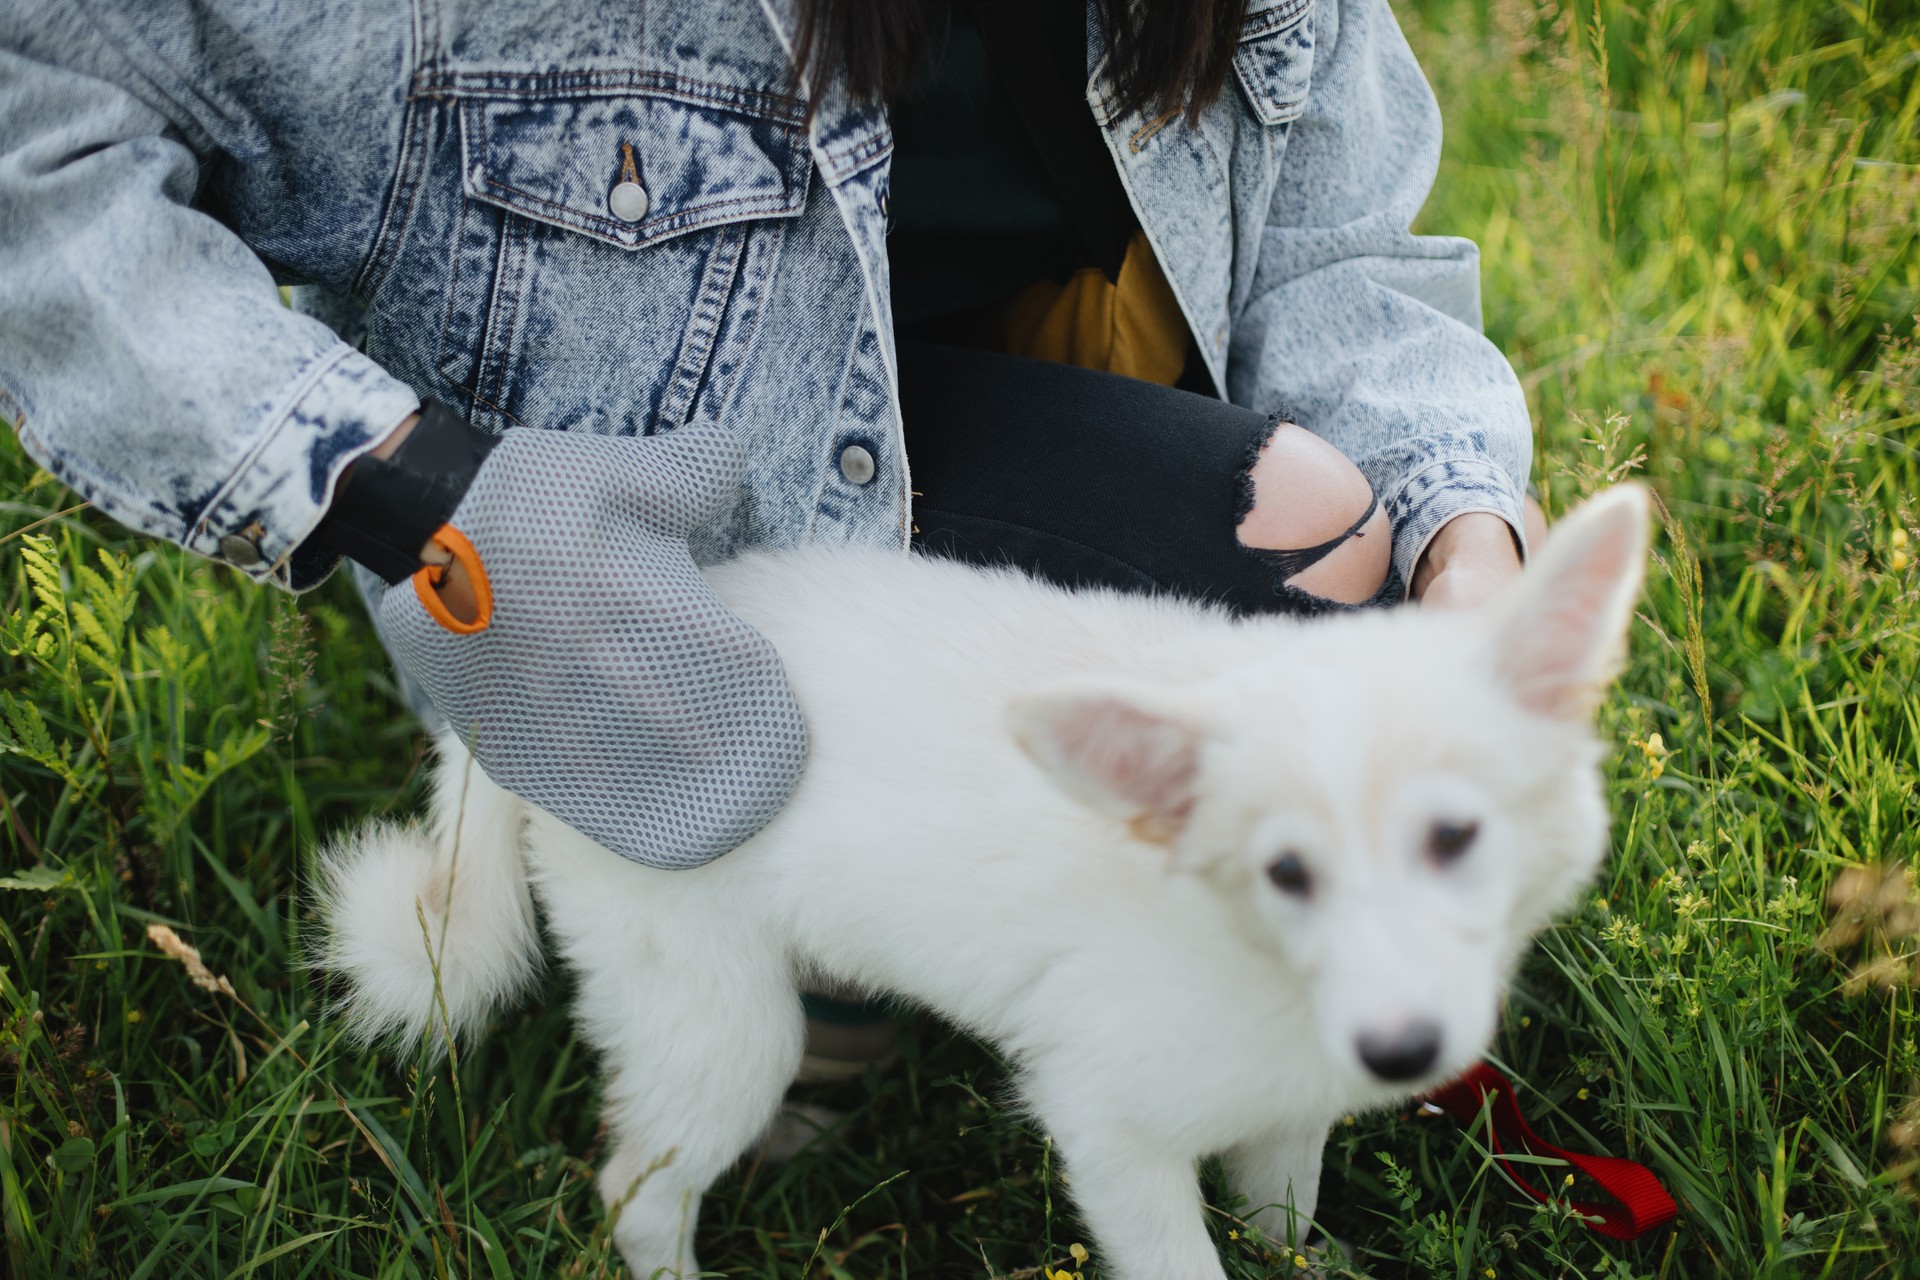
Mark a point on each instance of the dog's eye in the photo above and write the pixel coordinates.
(1447, 841)
(1289, 875)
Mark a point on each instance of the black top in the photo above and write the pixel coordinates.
(990, 192)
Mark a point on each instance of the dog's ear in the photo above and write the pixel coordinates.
(1121, 749)
(1561, 639)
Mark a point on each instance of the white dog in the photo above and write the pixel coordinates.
(1209, 883)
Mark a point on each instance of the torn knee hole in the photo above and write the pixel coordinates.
(1299, 492)
(1353, 571)
(1313, 518)
(1349, 568)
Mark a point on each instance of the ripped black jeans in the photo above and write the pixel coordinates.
(1089, 479)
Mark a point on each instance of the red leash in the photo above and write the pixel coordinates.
(1643, 1203)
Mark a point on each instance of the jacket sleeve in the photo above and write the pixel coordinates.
(1366, 333)
(146, 357)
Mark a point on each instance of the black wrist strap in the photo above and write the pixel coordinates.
(385, 509)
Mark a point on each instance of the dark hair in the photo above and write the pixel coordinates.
(1164, 55)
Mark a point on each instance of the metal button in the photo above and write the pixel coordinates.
(628, 202)
(856, 464)
(236, 550)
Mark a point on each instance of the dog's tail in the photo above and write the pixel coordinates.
(432, 926)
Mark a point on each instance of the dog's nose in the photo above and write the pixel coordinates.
(1403, 1053)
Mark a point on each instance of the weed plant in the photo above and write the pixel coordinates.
(1698, 228)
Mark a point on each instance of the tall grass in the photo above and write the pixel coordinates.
(1698, 224)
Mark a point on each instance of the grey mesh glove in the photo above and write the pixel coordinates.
(602, 679)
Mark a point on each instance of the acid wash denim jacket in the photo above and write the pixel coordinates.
(437, 177)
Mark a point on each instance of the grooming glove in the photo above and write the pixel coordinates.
(602, 679)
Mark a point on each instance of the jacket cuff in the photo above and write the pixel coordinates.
(1442, 490)
(344, 405)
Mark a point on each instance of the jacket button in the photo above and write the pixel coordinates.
(628, 202)
(239, 552)
(856, 464)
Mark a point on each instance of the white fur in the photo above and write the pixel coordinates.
(451, 899)
(1097, 905)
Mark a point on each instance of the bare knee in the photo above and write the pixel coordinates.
(1306, 493)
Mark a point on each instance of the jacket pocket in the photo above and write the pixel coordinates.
(696, 163)
(600, 243)
(1274, 63)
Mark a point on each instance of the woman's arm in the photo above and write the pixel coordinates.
(1370, 334)
(145, 355)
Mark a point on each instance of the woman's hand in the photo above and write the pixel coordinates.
(1467, 562)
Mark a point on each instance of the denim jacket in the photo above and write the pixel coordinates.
(438, 178)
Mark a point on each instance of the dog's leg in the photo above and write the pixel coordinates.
(694, 1010)
(1279, 1174)
(698, 1067)
(1142, 1205)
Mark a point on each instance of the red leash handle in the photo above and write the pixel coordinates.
(1643, 1203)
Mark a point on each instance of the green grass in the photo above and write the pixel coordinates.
(1698, 224)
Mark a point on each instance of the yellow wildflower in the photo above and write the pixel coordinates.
(1233, 1235)
(135, 1015)
(1655, 749)
(1079, 1253)
(1582, 1095)
(1300, 1261)
(1567, 1181)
